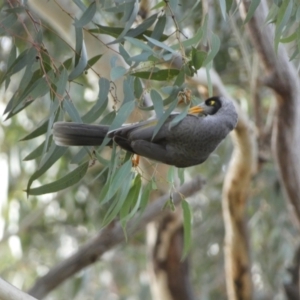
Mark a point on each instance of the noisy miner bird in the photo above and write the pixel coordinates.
(186, 144)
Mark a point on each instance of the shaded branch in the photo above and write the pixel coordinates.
(10, 292)
(107, 238)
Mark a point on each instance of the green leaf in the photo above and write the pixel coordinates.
(252, 8)
(159, 5)
(61, 85)
(128, 89)
(138, 88)
(180, 175)
(80, 55)
(54, 153)
(117, 72)
(187, 228)
(283, 17)
(163, 118)
(290, 38)
(134, 33)
(194, 41)
(97, 110)
(37, 132)
(180, 79)
(132, 13)
(92, 61)
(171, 175)
(71, 110)
(62, 183)
(7, 23)
(222, 4)
(116, 181)
(139, 44)
(160, 44)
(159, 28)
(87, 15)
(123, 113)
(215, 46)
(198, 58)
(159, 75)
(27, 57)
(119, 201)
(179, 117)
(37, 152)
(157, 103)
(132, 203)
(125, 55)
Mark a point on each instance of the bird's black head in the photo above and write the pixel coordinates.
(208, 107)
(212, 105)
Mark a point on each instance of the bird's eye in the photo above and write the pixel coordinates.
(212, 102)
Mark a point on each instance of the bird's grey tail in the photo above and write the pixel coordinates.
(78, 134)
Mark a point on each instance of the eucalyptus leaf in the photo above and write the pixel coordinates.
(70, 179)
(187, 228)
(37, 132)
(87, 16)
(54, 153)
(157, 103)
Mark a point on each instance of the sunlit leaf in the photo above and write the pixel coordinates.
(159, 75)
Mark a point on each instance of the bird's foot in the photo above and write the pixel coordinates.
(135, 160)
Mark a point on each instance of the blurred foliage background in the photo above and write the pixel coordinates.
(38, 232)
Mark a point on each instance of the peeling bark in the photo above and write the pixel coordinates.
(170, 274)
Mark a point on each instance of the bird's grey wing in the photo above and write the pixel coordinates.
(151, 150)
(140, 131)
(125, 130)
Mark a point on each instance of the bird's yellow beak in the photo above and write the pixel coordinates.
(195, 110)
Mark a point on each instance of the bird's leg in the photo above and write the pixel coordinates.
(135, 160)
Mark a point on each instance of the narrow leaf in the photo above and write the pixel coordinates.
(87, 16)
(54, 153)
(157, 103)
(215, 46)
(252, 8)
(62, 183)
(36, 132)
(187, 228)
(159, 75)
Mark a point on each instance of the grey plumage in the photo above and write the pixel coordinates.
(188, 143)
